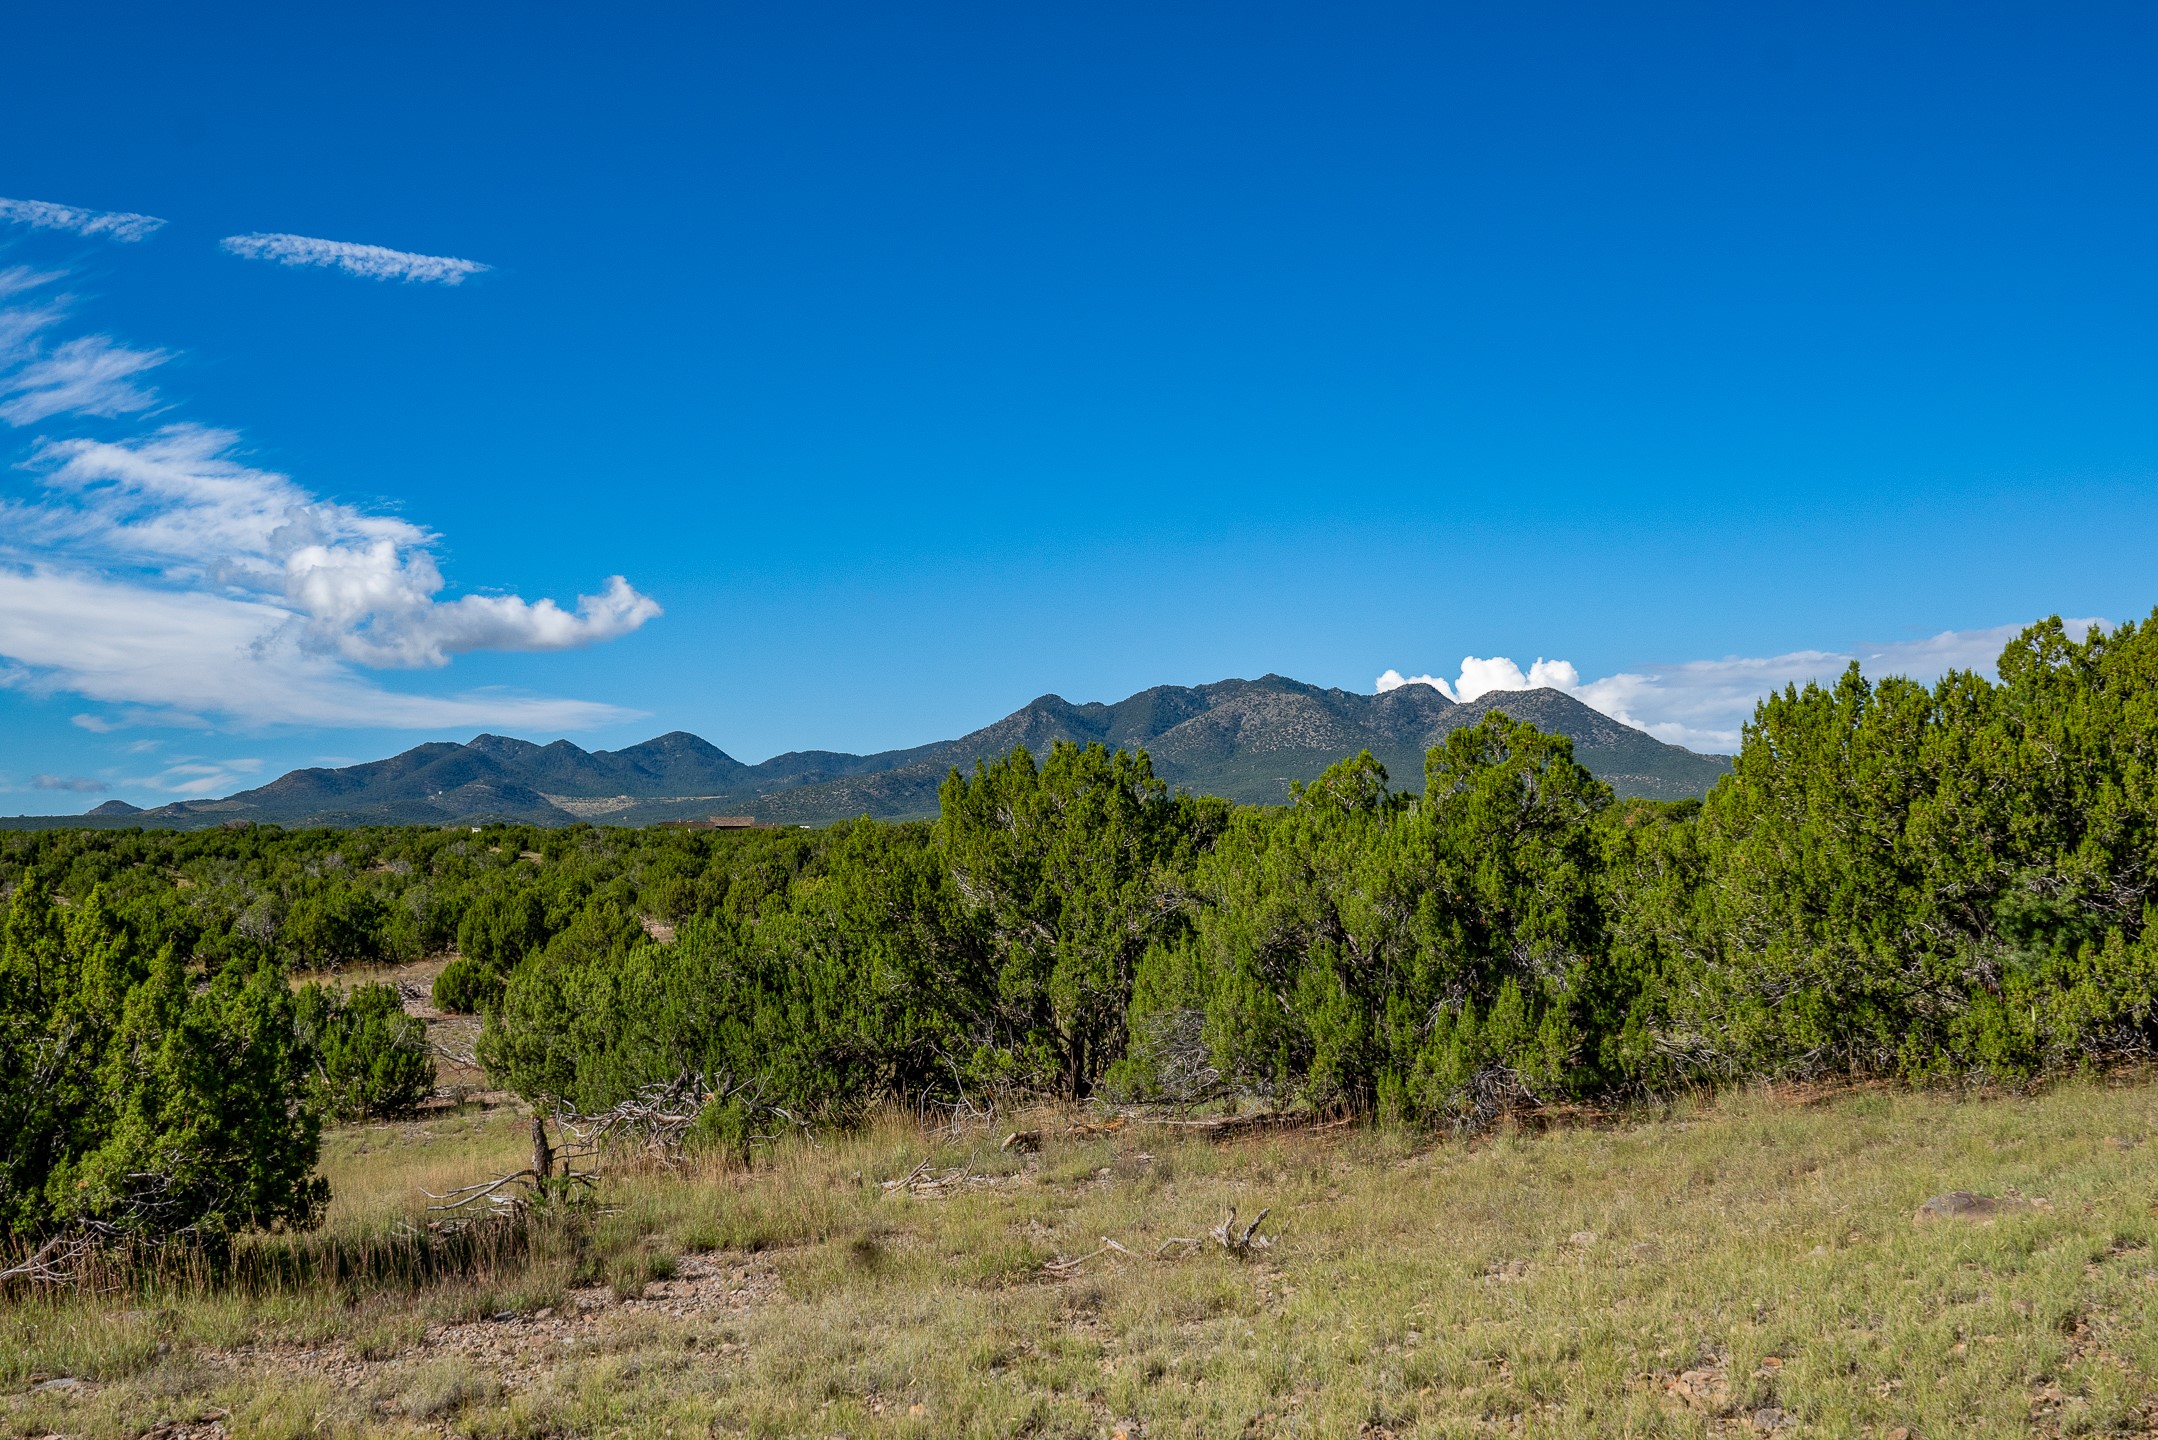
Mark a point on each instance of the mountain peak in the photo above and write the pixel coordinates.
(1245, 740)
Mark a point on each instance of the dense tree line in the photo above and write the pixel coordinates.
(1953, 881)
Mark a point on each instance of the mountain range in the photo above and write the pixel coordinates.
(1245, 740)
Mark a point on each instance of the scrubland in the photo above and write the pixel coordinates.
(1740, 1265)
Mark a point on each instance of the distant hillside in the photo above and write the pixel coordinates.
(1245, 740)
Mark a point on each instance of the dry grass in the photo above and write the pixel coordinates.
(1709, 1270)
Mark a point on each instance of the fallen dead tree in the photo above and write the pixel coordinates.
(657, 1121)
(653, 1125)
(550, 1177)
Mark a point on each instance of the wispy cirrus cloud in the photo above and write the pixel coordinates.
(161, 575)
(373, 262)
(194, 776)
(87, 374)
(107, 224)
(1705, 704)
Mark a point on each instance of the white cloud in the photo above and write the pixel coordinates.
(78, 784)
(1704, 704)
(161, 575)
(193, 776)
(114, 224)
(372, 262)
(168, 656)
(1481, 677)
(87, 375)
(351, 584)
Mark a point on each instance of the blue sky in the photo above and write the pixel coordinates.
(911, 362)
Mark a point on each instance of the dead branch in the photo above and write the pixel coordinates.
(53, 1263)
(922, 1180)
(464, 1059)
(474, 1193)
(549, 1177)
(1064, 1269)
(657, 1119)
(1241, 1243)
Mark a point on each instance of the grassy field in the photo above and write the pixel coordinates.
(1743, 1266)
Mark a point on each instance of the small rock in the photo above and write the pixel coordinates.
(62, 1385)
(1768, 1419)
(504, 1317)
(1581, 1239)
(545, 1312)
(1647, 1250)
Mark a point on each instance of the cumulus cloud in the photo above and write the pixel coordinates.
(79, 784)
(1481, 677)
(350, 584)
(162, 575)
(1705, 704)
(110, 224)
(372, 262)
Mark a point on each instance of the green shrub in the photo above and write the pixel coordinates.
(507, 923)
(371, 1060)
(132, 1097)
(1432, 956)
(339, 924)
(467, 986)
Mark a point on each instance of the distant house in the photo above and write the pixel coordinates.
(714, 822)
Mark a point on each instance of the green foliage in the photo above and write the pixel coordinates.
(370, 1059)
(466, 986)
(1430, 956)
(134, 1099)
(859, 987)
(339, 924)
(1936, 882)
(506, 924)
(1068, 873)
